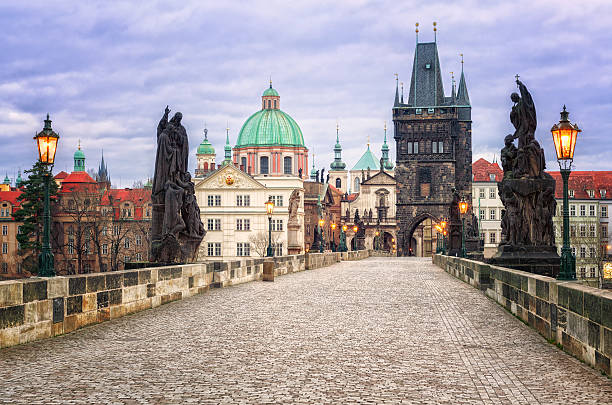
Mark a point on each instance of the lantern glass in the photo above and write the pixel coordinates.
(321, 222)
(355, 228)
(269, 207)
(463, 207)
(344, 228)
(47, 146)
(565, 142)
(443, 224)
(333, 226)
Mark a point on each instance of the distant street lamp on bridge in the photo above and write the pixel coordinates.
(322, 241)
(463, 208)
(46, 142)
(269, 210)
(564, 136)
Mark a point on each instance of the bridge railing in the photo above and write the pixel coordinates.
(572, 315)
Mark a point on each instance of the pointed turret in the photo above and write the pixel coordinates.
(338, 164)
(79, 159)
(7, 180)
(19, 179)
(387, 165)
(227, 148)
(102, 175)
(313, 172)
(462, 93)
(397, 101)
(426, 89)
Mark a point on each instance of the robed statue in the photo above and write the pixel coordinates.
(176, 228)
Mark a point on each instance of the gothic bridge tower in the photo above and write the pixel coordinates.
(433, 135)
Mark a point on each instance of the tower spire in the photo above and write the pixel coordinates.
(396, 103)
(337, 164)
(462, 93)
(386, 164)
(227, 148)
(435, 31)
(402, 101)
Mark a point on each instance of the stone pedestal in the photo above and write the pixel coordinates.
(294, 246)
(268, 270)
(542, 260)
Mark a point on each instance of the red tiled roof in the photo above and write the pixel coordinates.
(11, 197)
(581, 181)
(78, 177)
(352, 197)
(482, 169)
(137, 196)
(61, 175)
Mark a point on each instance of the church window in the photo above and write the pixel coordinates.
(425, 181)
(415, 147)
(275, 104)
(409, 144)
(338, 183)
(243, 163)
(269, 104)
(440, 147)
(263, 165)
(434, 147)
(357, 184)
(287, 165)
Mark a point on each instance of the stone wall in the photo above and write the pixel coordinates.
(38, 308)
(577, 317)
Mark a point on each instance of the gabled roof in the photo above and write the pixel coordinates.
(61, 175)
(581, 181)
(78, 177)
(367, 160)
(11, 197)
(482, 169)
(380, 178)
(240, 178)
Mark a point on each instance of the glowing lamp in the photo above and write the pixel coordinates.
(564, 136)
(321, 222)
(344, 228)
(377, 233)
(355, 228)
(46, 141)
(269, 208)
(443, 224)
(333, 226)
(463, 206)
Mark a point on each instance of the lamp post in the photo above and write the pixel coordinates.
(343, 247)
(564, 136)
(377, 240)
(322, 241)
(46, 142)
(333, 236)
(269, 210)
(438, 232)
(463, 208)
(443, 225)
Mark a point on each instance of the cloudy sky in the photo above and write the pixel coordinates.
(106, 70)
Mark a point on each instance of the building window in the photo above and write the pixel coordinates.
(243, 164)
(593, 272)
(104, 249)
(338, 183)
(604, 211)
(492, 193)
(70, 245)
(138, 240)
(277, 225)
(492, 237)
(243, 224)
(592, 210)
(583, 272)
(116, 230)
(492, 178)
(424, 181)
(214, 200)
(104, 230)
(263, 165)
(571, 193)
(481, 193)
(126, 259)
(572, 210)
(278, 249)
(357, 185)
(592, 252)
(214, 248)
(572, 230)
(591, 193)
(5, 267)
(434, 147)
(276, 199)
(582, 252)
(126, 243)
(4, 248)
(574, 250)
(4, 230)
(481, 214)
(243, 249)
(287, 166)
(602, 193)
(591, 231)
(492, 212)
(243, 200)
(582, 231)
(582, 210)
(604, 231)
(214, 224)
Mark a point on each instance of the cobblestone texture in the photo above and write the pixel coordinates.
(383, 330)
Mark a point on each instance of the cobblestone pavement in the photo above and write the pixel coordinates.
(383, 330)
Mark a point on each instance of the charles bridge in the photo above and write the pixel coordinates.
(355, 329)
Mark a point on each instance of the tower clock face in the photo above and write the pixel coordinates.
(229, 179)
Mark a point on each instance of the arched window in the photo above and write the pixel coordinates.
(288, 169)
(269, 104)
(275, 105)
(206, 166)
(263, 165)
(357, 184)
(243, 164)
(338, 183)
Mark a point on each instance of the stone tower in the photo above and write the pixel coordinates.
(433, 135)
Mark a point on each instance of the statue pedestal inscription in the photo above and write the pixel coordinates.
(528, 195)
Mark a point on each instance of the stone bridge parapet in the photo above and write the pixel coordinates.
(37, 308)
(572, 315)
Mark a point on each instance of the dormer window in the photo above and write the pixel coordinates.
(571, 193)
(591, 193)
(492, 177)
(602, 193)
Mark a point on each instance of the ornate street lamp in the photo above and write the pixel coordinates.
(564, 136)
(463, 208)
(333, 236)
(269, 210)
(46, 142)
(438, 232)
(322, 241)
(443, 225)
(343, 230)
(355, 228)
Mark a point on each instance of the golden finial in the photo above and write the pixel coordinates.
(417, 27)
(461, 58)
(385, 126)
(79, 144)
(337, 126)
(434, 25)
(396, 76)
(368, 141)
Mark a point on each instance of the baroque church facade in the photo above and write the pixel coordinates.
(433, 134)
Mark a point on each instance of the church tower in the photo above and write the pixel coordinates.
(433, 135)
(205, 156)
(79, 160)
(338, 174)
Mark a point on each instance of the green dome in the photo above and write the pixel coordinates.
(206, 148)
(79, 154)
(270, 92)
(270, 127)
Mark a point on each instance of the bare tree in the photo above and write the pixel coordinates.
(259, 241)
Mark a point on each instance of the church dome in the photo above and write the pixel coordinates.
(206, 148)
(270, 126)
(79, 154)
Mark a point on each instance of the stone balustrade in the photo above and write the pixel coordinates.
(574, 316)
(38, 308)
